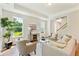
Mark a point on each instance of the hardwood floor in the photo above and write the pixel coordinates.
(10, 52)
(13, 51)
(77, 50)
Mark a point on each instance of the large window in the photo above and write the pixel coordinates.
(18, 27)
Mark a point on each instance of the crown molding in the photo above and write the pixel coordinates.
(63, 13)
(23, 13)
(28, 9)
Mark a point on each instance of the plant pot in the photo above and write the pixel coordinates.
(8, 45)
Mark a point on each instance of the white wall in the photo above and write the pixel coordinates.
(73, 23)
(52, 26)
(0, 20)
(0, 30)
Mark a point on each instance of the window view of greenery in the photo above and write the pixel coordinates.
(18, 27)
(12, 27)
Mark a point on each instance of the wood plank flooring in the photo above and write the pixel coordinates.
(77, 50)
(13, 51)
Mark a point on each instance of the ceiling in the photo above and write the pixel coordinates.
(46, 9)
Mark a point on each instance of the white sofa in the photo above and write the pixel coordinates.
(51, 50)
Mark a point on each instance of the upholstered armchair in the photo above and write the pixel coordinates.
(25, 47)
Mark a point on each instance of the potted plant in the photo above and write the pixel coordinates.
(10, 27)
(8, 44)
(7, 25)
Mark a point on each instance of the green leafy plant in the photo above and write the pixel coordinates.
(7, 35)
(6, 24)
(10, 26)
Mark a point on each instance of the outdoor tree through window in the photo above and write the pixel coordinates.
(18, 27)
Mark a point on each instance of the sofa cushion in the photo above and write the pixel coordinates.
(66, 38)
(59, 45)
(61, 41)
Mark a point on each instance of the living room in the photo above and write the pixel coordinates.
(41, 24)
